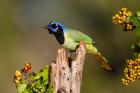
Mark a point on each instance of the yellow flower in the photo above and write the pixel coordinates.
(17, 73)
(131, 71)
(17, 76)
(128, 26)
(27, 68)
(121, 17)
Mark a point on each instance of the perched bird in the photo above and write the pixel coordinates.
(70, 39)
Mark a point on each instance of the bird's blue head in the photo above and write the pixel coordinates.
(57, 29)
(54, 27)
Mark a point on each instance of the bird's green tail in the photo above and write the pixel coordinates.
(101, 59)
(103, 62)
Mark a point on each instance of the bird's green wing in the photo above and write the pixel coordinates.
(78, 36)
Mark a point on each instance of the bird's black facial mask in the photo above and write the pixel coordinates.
(60, 35)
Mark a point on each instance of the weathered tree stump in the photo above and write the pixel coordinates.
(65, 74)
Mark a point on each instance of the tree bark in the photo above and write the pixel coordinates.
(65, 73)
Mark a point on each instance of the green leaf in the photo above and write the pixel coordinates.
(28, 90)
(43, 89)
(21, 87)
(45, 74)
(35, 82)
(138, 13)
(137, 31)
(134, 20)
(136, 48)
(37, 76)
(50, 89)
(135, 55)
(38, 83)
(35, 90)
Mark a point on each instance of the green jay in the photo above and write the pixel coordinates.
(70, 39)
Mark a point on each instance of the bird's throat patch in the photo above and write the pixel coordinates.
(60, 36)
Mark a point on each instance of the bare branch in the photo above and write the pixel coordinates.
(65, 78)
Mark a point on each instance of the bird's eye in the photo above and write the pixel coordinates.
(54, 26)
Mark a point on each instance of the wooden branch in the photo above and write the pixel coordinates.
(66, 75)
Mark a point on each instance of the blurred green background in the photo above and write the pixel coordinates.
(23, 39)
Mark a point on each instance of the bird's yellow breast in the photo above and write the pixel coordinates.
(69, 43)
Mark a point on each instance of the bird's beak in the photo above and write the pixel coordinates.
(46, 27)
